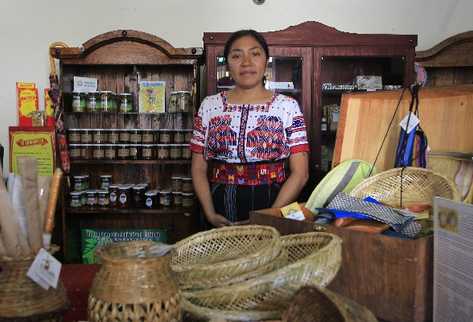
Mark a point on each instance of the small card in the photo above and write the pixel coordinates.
(413, 122)
(293, 211)
(85, 84)
(45, 270)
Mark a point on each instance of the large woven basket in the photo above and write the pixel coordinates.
(225, 256)
(409, 185)
(23, 299)
(314, 259)
(133, 286)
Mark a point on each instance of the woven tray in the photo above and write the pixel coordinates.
(314, 259)
(418, 185)
(225, 255)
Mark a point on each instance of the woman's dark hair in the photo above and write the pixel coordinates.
(243, 33)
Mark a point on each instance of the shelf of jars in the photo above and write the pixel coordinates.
(131, 211)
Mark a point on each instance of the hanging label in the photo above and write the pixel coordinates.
(85, 84)
(413, 122)
(45, 270)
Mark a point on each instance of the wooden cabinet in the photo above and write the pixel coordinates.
(119, 60)
(311, 56)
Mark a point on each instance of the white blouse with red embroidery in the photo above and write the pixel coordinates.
(246, 133)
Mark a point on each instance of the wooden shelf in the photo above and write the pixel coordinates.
(119, 113)
(128, 162)
(130, 211)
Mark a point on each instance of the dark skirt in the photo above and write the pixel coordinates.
(236, 201)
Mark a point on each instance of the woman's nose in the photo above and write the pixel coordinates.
(246, 60)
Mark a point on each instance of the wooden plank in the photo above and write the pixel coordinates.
(446, 116)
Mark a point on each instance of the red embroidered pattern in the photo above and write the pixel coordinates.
(221, 136)
(267, 139)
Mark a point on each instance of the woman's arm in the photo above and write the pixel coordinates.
(202, 189)
(299, 167)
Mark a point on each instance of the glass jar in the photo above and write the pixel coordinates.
(162, 152)
(99, 136)
(75, 151)
(93, 102)
(187, 199)
(85, 136)
(110, 152)
(126, 104)
(124, 196)
(78, 102)
(186, 151)
(98, 152)
(176, 183)
(86, 179)
(86, 152)
(107, 101)
(83, 198)
(124, 136)
(103, 199)
(76, 199)
(147, 152)
(91, 198)
(139, 196)
(113, 136)
(178, 137)
(113, 196)
(73, 136)
(78, 183)
(180, 101)
(187, 184)
(165, 198)
(147, 136)
(123, 152)
(172, 106)
(134, 151)
(151, 199)
(177, 198)
(135, 136)
(188, 136)
(105, 181)
(165, 137)
(175, 152)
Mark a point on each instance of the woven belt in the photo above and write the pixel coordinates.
(250, 174)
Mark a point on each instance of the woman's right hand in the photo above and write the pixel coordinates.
(218, 220)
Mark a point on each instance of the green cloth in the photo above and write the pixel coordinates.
(344, 177)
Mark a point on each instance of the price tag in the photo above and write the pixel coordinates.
(413, 122)
(45, 270)
(85, 84)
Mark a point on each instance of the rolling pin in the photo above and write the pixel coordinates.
(51, 207)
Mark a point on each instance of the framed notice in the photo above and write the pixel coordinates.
(152, 97)
(38, 142)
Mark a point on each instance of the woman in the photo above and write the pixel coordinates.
(247, 133)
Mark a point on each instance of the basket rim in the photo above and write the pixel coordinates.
(206, 312)
(395, 171)
(179, 268)
(271, 276)
(101, 252)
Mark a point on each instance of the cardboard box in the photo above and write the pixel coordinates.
(390, 276)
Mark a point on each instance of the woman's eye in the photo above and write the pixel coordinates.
(235, 56)
(256, 53)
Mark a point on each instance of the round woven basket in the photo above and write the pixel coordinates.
(416, 185)
(133, 285)
(225, 256)
(314, 259)
(23, 299)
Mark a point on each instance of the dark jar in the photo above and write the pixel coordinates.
(113, 189)
(151, 199)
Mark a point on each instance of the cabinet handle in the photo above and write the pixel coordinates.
(124, 33)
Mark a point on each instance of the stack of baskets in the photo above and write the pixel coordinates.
(250, 272)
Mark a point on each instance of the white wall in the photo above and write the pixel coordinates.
(27, 27)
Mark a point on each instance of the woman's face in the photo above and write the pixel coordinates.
(247, 62)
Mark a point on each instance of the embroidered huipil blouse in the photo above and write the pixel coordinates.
(241, 134)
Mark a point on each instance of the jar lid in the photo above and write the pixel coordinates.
(75, 193)
(77, 177)
(180, 92)
(151, 193)
(106, 176)
(187, 194)
(125, 94)
(176, 178)
(102, 192)
(138, 187)
(186, 179)
(113, 186)
(91, 191)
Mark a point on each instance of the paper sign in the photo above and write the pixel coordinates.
(279, 85)
(45, 270)
(293, 211)
(85, 84)
(453, 253)
(413, 122)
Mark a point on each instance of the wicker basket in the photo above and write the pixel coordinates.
(133, 286)
(225, 255)
(314, 260)
(22, 299)
(418, 185)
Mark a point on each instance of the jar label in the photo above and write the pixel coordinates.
(122, 198)
(113, 197)
(149, 202)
